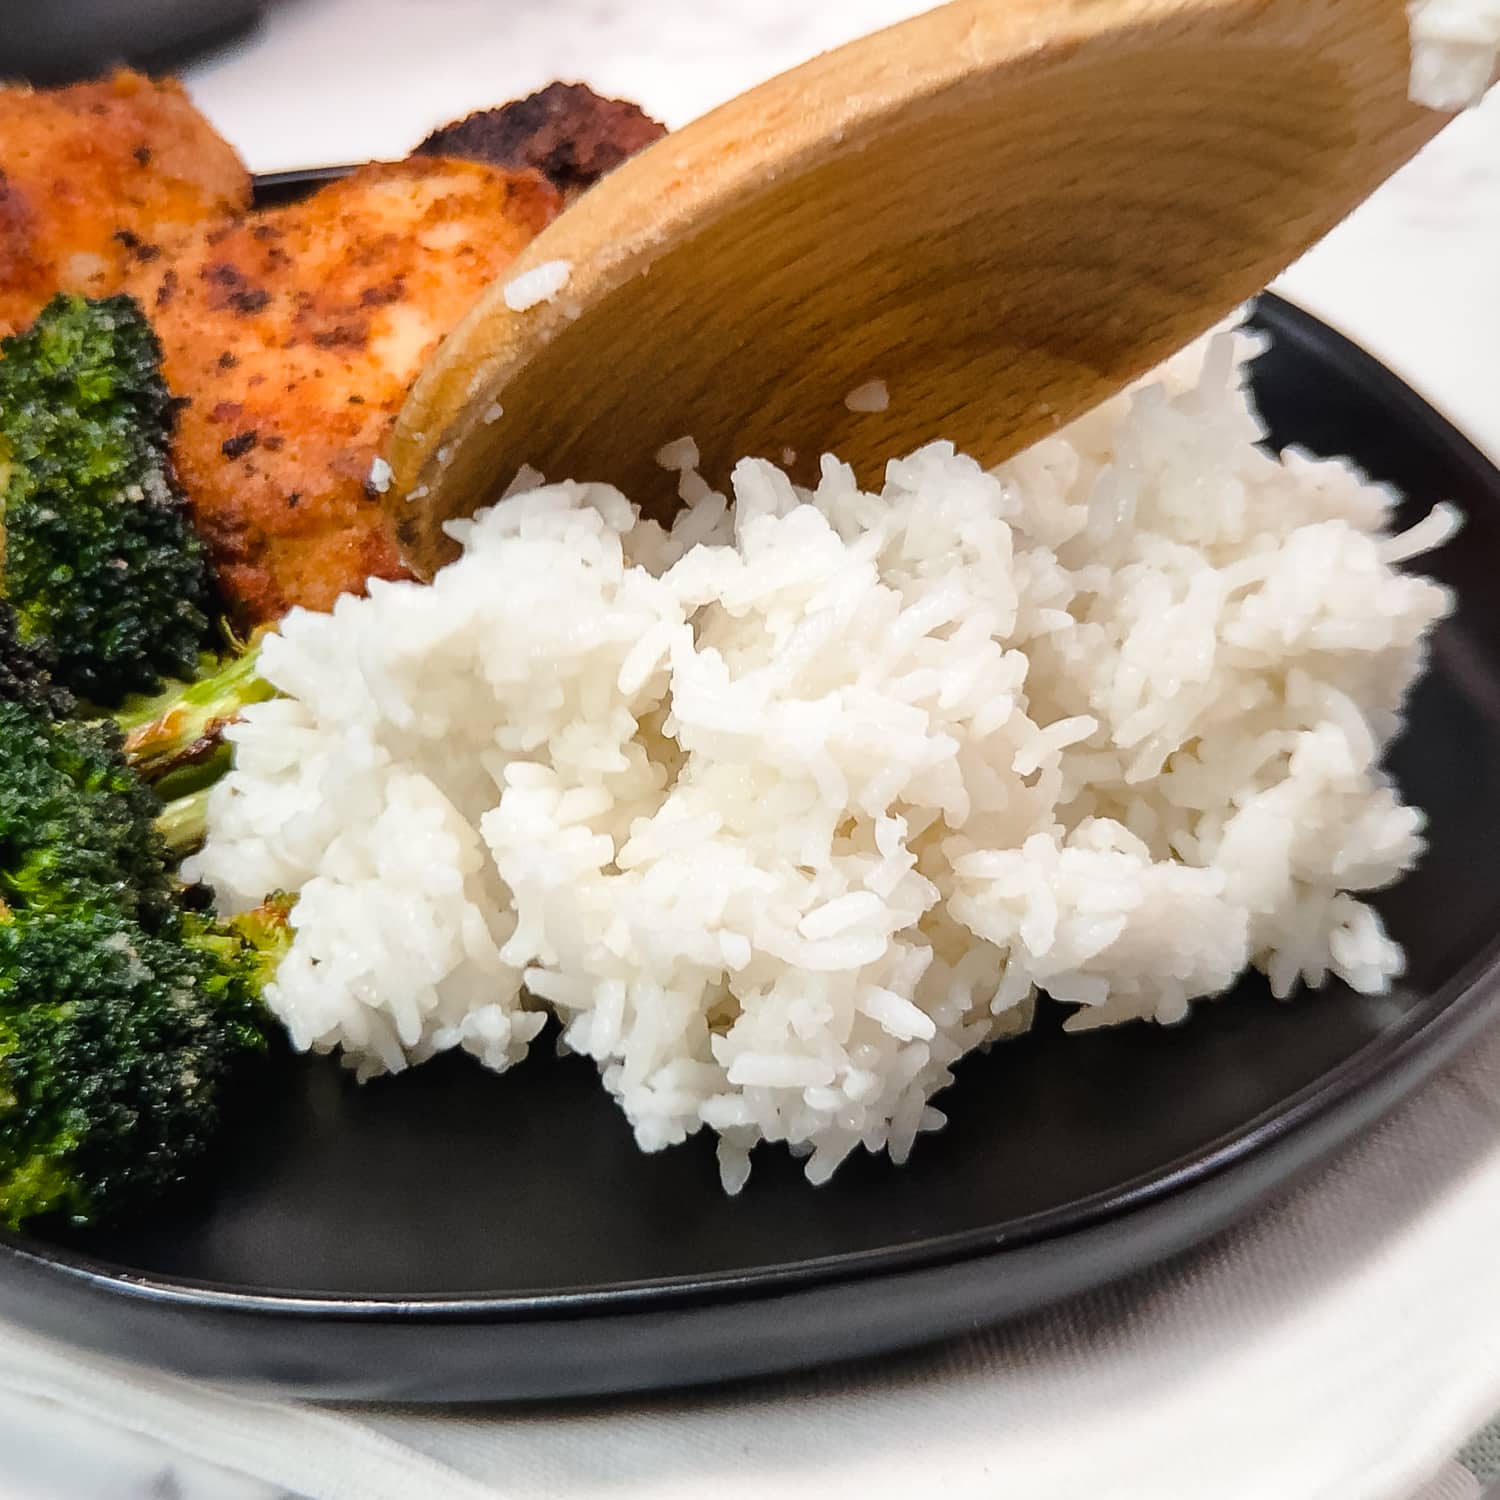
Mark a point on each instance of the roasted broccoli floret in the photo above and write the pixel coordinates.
(76, 823)
(254, 942)
(26, 669)
(115, 1045)
(99, 556)
(120, 1011)
(75, 812)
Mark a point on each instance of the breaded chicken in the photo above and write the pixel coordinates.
(97, 179)
(570, 134)
(294, 334)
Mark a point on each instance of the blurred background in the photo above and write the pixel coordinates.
(678, 57)
(59, 41)
(296, 83)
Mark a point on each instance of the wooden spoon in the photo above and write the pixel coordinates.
(1004, 210)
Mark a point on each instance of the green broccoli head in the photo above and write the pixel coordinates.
(76, 823)
(261, 937)
(26, 670)
(121, 1014)
(99, 554)
(115, 1045)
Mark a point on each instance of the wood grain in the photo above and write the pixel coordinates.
(1005, 209)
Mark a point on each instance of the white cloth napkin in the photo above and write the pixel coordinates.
(1340, 1346)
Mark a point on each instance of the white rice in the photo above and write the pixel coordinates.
(785, 811)
(680, 455)
(540, 284)
(379, 477)
(1455, 46)
(869, 397)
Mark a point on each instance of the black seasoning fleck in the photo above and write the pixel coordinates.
(245, 303)
(240, 444)
(292, 499)
(168, 288)
(383, 296)
(342, 336)
(228, 361)
(137, 246)
(142, 155)
(356, 401)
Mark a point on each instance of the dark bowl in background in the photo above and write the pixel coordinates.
(60, 41)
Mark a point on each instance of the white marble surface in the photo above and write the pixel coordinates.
(1414, 276)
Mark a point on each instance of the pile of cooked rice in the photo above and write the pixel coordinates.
(1454, 47)
(785, 811)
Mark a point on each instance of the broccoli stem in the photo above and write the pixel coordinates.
(182, 726)
(183, 822)
(175, 739)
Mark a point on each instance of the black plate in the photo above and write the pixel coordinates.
(452, 1235)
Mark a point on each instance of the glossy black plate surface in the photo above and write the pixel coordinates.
(453, 1235)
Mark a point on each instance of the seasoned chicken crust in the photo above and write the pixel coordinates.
(99, 179)
(291, 335)
(570, 134)
(294, 333)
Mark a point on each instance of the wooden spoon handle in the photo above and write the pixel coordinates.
(1004, 209)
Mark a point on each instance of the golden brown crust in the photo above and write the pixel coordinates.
(98, 178)
(566, 132)
(295, 334)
